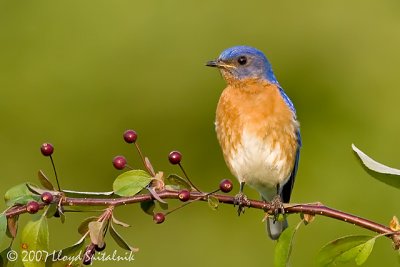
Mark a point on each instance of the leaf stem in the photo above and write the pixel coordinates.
(55, 172)
(187, 178)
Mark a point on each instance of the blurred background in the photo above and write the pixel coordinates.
(77, 74)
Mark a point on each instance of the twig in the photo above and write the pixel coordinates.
(311, 209)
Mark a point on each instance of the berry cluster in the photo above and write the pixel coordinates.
(184, 194)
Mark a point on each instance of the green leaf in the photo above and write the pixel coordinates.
(22, 200)
(4, 259)
(51, 210)
(213, 202)
(120, 241)
(383, 173)
(3, 227)
(283, 248)
(44, 181)
(62, 257)
(97, 231)
(364, 251)
(344, 249)
(5, 236)
(16, 192)
(84, 226)
(131, 182)
(35, 237)
(119, 222)
(148, 207)
(163, 206)
(61, 214)
(175, 179)
(38, 191)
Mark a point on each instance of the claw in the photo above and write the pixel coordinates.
(277, 207)
(242, 201)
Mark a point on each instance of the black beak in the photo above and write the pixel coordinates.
(212, 63)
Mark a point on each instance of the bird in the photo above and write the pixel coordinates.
(258, 130)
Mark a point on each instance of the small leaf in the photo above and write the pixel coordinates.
(12, 226)
(345, 249)
(163, 206)
(35, 237)
(394, 224)
(174, 179)
(60, 211)
(158, 181)
(172, 187)
(364, 251)
(155, 195)
(62, 257)
(307, 218)
(131, 182)
(84, 226)
(213, 202)
(22, 200)
(16, 192)
(283, 248)
(38, 191)
(149, 166)
(120, 241)
(148, 207)
(4, 257)
(44, 181)
(97, 231)
(377, 170)
(51, 210)
(119, 222)
(3, 227)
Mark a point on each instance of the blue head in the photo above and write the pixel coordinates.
(241, 62)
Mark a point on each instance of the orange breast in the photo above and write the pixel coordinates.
(257, 108)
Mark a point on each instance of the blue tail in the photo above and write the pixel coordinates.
(275, 229)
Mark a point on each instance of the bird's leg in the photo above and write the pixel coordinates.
(241, 200)
(277, 204)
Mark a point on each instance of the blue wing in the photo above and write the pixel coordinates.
(287, 101)
(288, 187)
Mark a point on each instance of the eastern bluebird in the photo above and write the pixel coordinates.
(257, 128)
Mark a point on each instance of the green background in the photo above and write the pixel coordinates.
(78, 73)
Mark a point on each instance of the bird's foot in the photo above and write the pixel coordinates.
(242, 201)
(277, 207)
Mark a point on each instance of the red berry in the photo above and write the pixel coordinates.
(47, 197)
(226, 185)
(87, 260)
(97, 248)
(119, 162)
(130, 136)
(158, 218)
(184, 195)
(32, 207)
(88, 255)
(175, 157)
(47, 149)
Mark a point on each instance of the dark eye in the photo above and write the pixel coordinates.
(242, 60)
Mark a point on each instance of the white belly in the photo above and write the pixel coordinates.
(261, 164)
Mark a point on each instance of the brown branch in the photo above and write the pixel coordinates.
(311, 209)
